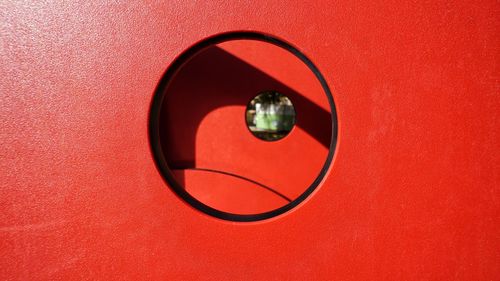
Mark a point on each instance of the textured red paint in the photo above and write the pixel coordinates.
(412, 194)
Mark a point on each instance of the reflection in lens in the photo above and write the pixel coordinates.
(270, 116)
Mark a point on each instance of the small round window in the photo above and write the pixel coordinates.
(270, 116)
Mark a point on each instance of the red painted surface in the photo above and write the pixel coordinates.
(412, 193)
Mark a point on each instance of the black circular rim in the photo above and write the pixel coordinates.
(154, 125)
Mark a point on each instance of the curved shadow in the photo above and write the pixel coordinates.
(198, 63)
(242, 178)
(219, 83)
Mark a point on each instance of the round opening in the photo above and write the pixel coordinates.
(270, 116)
(233, 169)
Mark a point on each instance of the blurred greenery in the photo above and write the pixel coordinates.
(270, 116)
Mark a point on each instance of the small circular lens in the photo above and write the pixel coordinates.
(270, 116)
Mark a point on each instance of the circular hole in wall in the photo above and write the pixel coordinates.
(202, 145)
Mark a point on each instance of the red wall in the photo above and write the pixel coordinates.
(412, 194)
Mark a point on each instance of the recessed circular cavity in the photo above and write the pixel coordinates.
(270, 116)
(203, 148)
